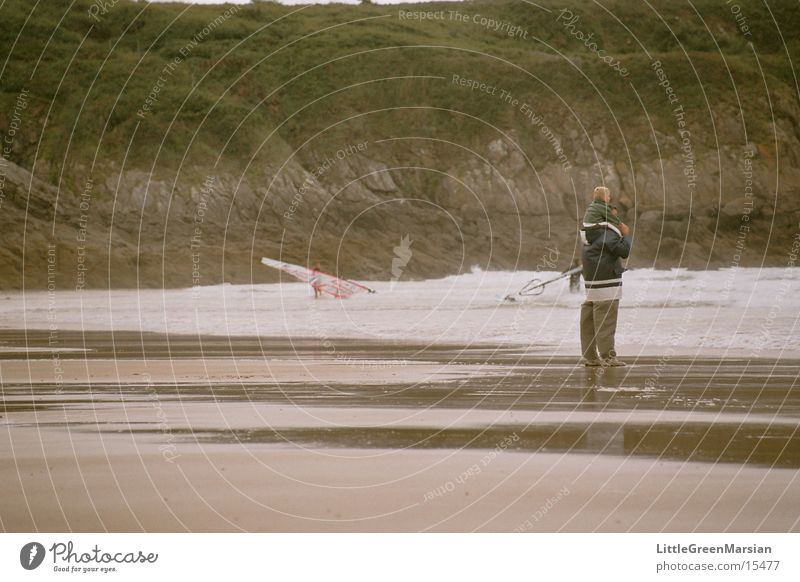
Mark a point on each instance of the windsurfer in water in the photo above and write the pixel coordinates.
(316, 281)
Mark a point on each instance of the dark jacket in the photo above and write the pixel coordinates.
(602, 262)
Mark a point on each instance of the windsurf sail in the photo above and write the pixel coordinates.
(536, 286)
(328, 284)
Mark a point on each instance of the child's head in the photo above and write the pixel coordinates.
(602, 193)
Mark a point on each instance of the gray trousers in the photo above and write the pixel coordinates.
(598, 326)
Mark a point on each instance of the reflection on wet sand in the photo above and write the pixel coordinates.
(761, 444)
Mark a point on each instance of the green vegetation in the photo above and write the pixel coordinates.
(300, 70)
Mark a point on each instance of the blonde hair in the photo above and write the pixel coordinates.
(600, 192)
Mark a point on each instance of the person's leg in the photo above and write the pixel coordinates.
(605, 325)
(588, 338)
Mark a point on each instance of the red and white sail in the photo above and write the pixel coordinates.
(328, 284)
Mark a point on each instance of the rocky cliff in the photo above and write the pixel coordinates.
(166, 145)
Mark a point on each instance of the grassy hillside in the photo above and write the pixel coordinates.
(267, 63)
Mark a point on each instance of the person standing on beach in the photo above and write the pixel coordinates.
(606, 242)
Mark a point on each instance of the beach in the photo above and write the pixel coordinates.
(278, 267)
(144, 431)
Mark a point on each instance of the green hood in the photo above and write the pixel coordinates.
(599, 211)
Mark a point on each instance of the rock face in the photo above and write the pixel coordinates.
(493, 209)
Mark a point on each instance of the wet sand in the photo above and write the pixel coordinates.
(132, 432)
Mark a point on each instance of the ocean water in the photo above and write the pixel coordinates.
(736, 312)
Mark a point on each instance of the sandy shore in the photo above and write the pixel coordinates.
(156, 433)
